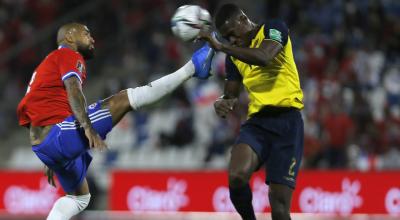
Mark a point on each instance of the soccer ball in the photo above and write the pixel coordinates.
(188, 20)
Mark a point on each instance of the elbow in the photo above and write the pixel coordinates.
(263, 62)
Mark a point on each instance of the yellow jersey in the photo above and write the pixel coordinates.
(276, 84)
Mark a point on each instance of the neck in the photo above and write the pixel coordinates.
(70, 46)
(254, 30)
(252, 33)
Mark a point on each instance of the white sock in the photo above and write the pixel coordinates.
(154, 91)
(67, 206)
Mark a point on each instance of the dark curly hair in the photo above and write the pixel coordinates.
(225, 12)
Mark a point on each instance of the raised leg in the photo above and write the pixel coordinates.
(118, 105)
(133, 98)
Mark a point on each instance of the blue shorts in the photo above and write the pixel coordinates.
(65, 149)
(277, 137)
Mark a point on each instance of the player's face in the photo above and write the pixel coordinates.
(236, 31)
(85, 43)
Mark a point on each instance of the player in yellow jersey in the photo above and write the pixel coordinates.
(260, 58)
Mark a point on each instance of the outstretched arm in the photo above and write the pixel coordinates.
(276, 36)
(78, 105)
(255, 56)
(260, 56)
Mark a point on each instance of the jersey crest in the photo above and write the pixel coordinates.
(80, 66)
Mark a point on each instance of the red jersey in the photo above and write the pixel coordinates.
(46, 101)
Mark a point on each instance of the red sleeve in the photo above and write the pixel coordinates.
(71, 64)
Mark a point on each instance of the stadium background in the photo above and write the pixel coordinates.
(347, 53)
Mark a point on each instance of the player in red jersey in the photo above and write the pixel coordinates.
(62, 128)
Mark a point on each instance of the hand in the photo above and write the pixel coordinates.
(50, 176)
(94, 139)
(224, 106)
(209, 36)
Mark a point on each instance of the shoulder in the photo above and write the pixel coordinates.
(66, 52)
(70, 58)
(276, 23)
(277, 30)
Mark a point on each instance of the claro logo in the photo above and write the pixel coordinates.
(392, 201)
(316, 200)
(142, 198)
(21, 200)
(222, 202)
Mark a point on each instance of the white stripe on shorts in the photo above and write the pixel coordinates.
(94, 117)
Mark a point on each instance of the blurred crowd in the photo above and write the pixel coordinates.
(347, 54)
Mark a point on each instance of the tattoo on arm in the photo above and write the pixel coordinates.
(77, 101)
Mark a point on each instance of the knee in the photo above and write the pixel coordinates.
(68, 206)
(118, 99)
(81, 201)
(238, 178)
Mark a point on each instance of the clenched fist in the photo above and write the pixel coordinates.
(224, 106)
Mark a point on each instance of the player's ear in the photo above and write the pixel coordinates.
(242, 18)
(70, 36)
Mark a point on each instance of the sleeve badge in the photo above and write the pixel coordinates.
(80, 66)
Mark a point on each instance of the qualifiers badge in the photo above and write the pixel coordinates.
(80, 66)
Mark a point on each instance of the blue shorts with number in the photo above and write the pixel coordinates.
(277, 137)
(65, 149)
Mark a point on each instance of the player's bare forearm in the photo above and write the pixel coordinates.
(77, 101)
(227, 102)
(231, 89)
(254, 56)
(260, 56)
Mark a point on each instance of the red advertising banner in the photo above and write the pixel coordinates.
(26, 193)
(335, 192)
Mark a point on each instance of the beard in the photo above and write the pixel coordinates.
(86, 52)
